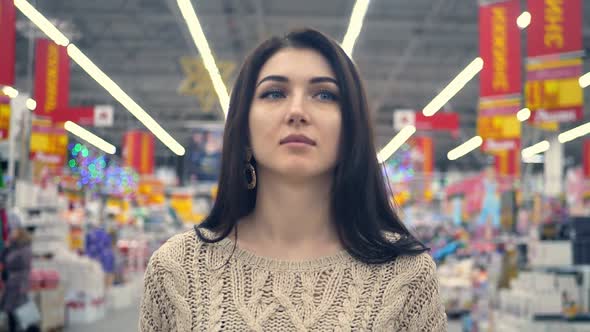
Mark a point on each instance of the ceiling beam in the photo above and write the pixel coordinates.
(409, 51)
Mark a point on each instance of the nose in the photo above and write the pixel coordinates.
(296, 114)
(297, 118)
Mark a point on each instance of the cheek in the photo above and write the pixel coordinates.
(260, 126)
(336, 132)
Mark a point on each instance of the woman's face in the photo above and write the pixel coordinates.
(295, 117)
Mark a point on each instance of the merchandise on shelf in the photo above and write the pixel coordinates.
(44, 279)
(99, 246)
(49, 296)
(52, 307)
(83, 281)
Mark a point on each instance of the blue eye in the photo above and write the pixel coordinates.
(326, 96)
(272, 94)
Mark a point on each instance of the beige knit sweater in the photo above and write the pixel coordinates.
(188, 288)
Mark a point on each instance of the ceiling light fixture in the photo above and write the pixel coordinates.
(534, 150)
(523, 20)
(584, 80)
(194, 26)
(574, 133)
(454, 87)
(31, 104)
(83, 61)
(523, 115)
(354, 26)
(10, 91)
(395, 143)
(41, 22)
(90, 137)
(107, 83)
(463, 149)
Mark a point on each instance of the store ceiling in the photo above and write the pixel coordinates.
(407, 51)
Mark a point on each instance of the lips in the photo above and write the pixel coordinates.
(298, 139)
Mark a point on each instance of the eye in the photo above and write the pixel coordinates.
(272, 94)
(325, 95)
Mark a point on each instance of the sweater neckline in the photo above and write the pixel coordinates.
(247, 257)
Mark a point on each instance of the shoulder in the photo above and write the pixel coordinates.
(422, 262)
(407, 279)
(422, 266)
(410, 270)
(411, 297)
(166, 283)
(172, 253)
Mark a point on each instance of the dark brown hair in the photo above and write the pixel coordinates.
(360, 206)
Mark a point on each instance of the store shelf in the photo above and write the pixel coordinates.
(571, 269)
(539, 323)
(41, 209)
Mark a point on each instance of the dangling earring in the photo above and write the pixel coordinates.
(249, 171)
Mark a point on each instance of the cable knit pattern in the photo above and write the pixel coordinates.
(195, 286)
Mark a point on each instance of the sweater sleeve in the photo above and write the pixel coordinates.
(150, 315)
(425, 310)
(156, 311)
(163, 305)
(415, 306)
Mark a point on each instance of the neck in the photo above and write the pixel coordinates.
(292, 213)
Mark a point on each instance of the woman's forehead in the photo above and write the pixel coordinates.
(297, 64)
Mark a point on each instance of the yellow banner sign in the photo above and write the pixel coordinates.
(49, 144)
(553, 93)
(4, 120)
(498, 127)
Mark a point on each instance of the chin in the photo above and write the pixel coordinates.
(295, 169)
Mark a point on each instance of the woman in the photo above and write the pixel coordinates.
(302, 235)
(16, 261)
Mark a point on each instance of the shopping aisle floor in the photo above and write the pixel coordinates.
(123, 320)
(126, 320)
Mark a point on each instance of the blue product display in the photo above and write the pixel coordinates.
(99, 247)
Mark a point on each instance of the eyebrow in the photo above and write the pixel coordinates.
(283, 79)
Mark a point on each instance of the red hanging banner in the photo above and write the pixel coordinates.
(499, 47)
(98, 116)
(556, 27)
(423, 154)
(7, 42)
(147, 153)
(82, 115)
(554, 64)
(138, 151)
(52, 78)
(586, 158)
(500, 78)
(508, 162)
(441, 121)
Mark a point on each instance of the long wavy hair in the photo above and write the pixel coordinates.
(360, 207)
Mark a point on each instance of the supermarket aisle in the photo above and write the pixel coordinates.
(122, 320)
